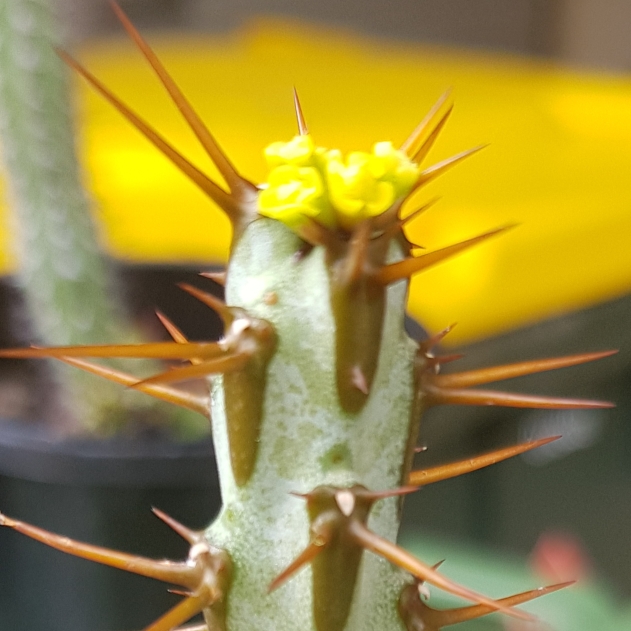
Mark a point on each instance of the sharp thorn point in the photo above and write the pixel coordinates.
(302, 125)
(218, 277)
(444, 472)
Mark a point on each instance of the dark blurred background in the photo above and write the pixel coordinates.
(591, 33)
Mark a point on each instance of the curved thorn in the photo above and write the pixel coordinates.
(427, 144)
(424, 477)
(306, 556)
(302, 125)
(172, 330)
(219, 158)
(439, 168)
(190, 536)
(216, 304)
(453, 396)
(223, 199)
(218, 277)
(167, 571)
(509, 371)
(182, 612)
(447, 617)
(403, 559)
(164, 393)
(410, 266)
(152, 350)
(410, 146)
(227, 363)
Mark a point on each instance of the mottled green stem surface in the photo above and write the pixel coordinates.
(66, 282)
(307, 440)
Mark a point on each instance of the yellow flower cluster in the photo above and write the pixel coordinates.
(309, 181)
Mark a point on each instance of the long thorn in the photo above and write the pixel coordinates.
(509, 399)
(306, 556)
(167, 571)
(182, 612)
(172, 330)
(414, 140)
(227, 363)
(223, 199)
(224, 166)
(152, 350)
(218, 277)
(164, 393)
(509, 371)
(427, 144)
(410, 266)
(381, 495)
(424, 477)
(190, 536)
(403, 559)
(216, 304)
(300, 119)
(447, 617)
(419, 211)
(439, 168)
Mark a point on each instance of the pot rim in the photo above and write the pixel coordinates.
(31, 451)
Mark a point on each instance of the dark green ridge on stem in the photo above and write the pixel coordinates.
(359, 313)
(335, 569)
(244, 392)
(358, 303)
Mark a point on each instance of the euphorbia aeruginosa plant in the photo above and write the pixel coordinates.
(316, 392)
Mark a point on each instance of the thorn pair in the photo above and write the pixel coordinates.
(239, 202)
(205, 575)
(457, 388)
(245, 337)
(418, 615)
(423, 477)
(338, 519)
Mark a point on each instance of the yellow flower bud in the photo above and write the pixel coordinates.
(298, 151)
(310, 181)
(294, 193)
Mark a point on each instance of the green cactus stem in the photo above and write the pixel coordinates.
(67, 286)
(316, 394)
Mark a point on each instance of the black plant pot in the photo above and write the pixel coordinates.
(100, 492)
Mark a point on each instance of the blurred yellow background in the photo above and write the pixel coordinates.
(557, 164)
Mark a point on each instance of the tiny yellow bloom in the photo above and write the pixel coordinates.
(354, 191)
(310, 181)
(298, 151)
(294, 193)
